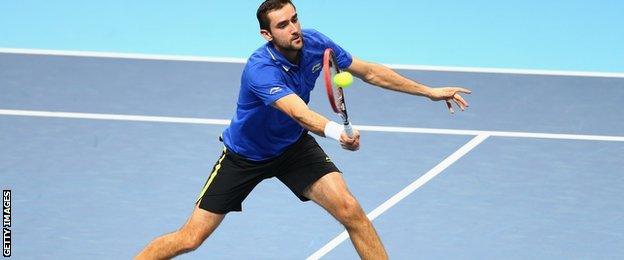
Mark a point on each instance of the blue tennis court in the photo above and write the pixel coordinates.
(543, 181)
(110, 115)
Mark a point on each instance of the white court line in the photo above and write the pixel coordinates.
(117, 55)
(405, 192)
(491, 133)
(160, 119)
(390, 129)
(242, 60)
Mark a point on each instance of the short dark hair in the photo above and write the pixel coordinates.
(267, 6)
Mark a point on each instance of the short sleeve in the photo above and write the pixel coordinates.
(266, 83)
(343, 57)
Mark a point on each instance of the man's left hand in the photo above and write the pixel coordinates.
(450, 93)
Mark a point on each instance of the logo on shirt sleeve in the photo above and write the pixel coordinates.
(274, 90)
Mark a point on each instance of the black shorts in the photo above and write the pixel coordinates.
(234, 177)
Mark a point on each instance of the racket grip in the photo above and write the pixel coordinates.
(348, 129)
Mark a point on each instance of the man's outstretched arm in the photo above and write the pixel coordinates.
(385, 77)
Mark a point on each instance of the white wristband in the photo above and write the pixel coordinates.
(333, 130)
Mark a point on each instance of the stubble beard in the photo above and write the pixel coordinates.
(290, 46)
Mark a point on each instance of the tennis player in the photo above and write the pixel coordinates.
(269, 135)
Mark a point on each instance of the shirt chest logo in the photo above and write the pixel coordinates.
(316, 68)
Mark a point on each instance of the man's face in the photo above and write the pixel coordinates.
(285, 30)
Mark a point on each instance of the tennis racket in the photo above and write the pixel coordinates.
(334, 93)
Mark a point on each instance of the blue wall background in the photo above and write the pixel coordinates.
(529, 34)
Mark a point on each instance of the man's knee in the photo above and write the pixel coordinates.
(191, 239)
(350, 213)
(199, 227)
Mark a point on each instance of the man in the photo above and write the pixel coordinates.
(268, 136)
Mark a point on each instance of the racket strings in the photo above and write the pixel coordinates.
(337, 91)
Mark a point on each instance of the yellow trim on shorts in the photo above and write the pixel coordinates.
(212, 176)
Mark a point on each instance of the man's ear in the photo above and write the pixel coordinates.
(266, 35)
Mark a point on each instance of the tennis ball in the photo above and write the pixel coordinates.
(343, 79)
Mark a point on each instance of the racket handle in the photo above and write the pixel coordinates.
(348, 129)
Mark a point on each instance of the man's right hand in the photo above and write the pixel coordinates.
(350, 143)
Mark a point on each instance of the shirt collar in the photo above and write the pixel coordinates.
(279, 59)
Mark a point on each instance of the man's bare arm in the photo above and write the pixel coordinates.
(294, 107)
(387, 78)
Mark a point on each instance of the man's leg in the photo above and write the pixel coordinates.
(188, 238)
(331, 193)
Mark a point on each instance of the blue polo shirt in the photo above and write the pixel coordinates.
(258, 130)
